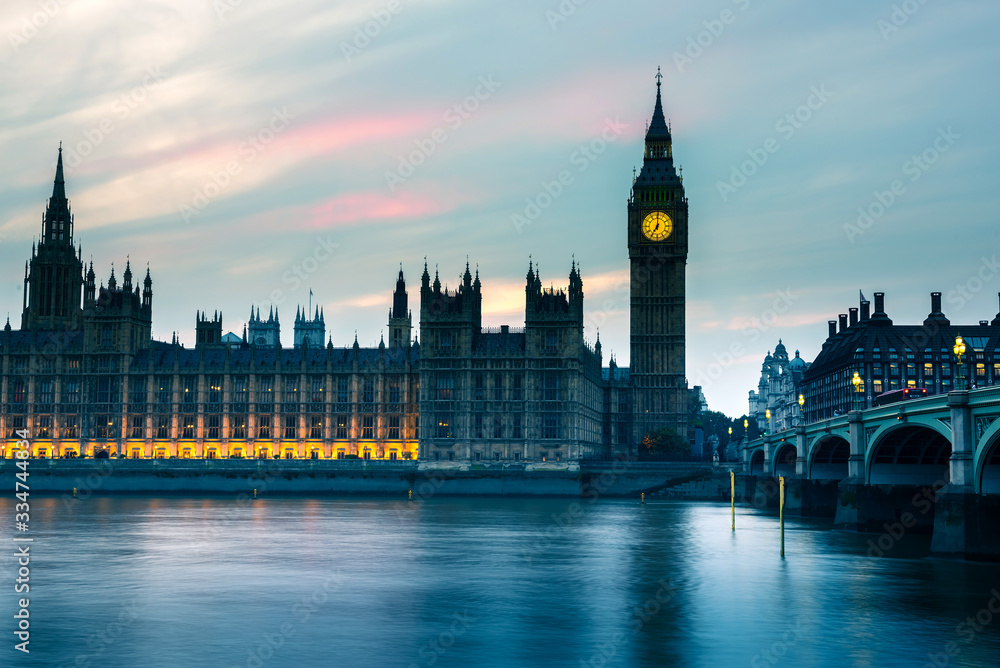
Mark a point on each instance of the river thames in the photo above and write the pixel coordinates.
(171, 582)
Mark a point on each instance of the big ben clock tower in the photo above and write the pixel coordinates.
(657, 250)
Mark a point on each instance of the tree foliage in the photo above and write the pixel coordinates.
(664, 442)
(753, 431)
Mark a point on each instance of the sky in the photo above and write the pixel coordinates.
(253, 150)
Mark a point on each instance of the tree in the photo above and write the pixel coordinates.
(714, 423)
(753, 431)
(665, 442)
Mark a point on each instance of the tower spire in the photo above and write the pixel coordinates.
(57, 224)
(658, 129)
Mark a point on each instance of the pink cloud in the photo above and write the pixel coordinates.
(367, 206)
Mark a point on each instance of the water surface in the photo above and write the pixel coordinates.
(171, 582)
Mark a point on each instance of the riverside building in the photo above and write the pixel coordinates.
(84, 377)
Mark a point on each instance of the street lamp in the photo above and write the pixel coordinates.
(857, 383)
(767, 414)
(802, 411)
(959, 350)
(746, 430)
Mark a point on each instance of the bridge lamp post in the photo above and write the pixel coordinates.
(858, 386)
(802, 410)
(959, 350)
(746, 430)
(767, 415)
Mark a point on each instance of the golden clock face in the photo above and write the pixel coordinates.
(657, 226)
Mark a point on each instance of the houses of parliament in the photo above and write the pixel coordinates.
(84, 377)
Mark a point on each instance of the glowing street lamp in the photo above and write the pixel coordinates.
(858, 387)
(767, 414)
(959, 350)
(746, 429)
(802, 410)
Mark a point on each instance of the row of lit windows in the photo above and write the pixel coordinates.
(107, 426)
(107, 390)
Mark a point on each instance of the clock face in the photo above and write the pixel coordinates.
(657, 226)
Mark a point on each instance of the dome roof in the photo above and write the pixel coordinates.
(797, 362)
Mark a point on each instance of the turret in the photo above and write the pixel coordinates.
(208, 332)
(400, 320)
(309, 330)
(54, 275)
(147, 290)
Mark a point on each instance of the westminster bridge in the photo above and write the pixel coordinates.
(898, 462)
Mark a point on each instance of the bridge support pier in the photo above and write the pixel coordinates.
(964, 522)
(852, 497)
(800, 452)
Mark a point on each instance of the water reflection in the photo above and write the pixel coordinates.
(491, 582)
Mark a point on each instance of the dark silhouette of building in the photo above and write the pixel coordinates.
(888, 356)
(83, 374)
(658, 246)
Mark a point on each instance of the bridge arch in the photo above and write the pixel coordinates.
(910, 454)
(757, 463)
(785, 456)
(988, 467)
(828, 458)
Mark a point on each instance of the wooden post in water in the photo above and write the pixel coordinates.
(781, 512)
(732, 495)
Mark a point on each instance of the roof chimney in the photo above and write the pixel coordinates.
(866, 311)
(879, 315)
(843, 322)
(936, 316)
(833, 328)
(996, 320)
(854, 316)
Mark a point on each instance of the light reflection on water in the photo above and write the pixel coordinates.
(477, 582)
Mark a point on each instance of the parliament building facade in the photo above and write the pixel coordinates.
(82, 375)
